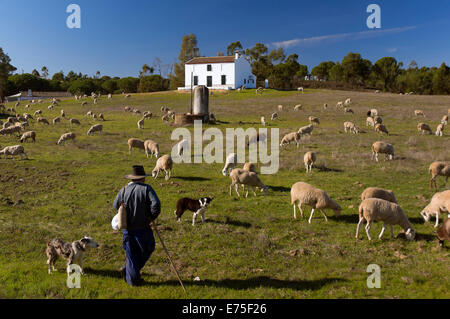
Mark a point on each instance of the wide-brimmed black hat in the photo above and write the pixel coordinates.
(138, 172)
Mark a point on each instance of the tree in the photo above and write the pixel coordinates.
(412, 65)
(82, 86)
(188, 51)
(44, 71)
(232, 47)
(157, 65)
(322, 71)
(97, 74)
(35, 73)
(146, 69)
(441, 80)
(128, 85)
(355, 69)
(302, 71)
(283, 74)
(385, 71)
(256, 53)
(336, 73)
(220, 53)
(59, 76)
(110, 86)
(277, 55)
(6, 70)
(152, 83)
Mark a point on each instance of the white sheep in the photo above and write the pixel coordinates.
(444, 119)
(37, 112)
(291, 137)
(263, 120)
(65, 137)
(440, 203)
(422, 127)
(140, 123)
(230, 163)
(325, 106)
(306, 194)
(380, 128)
(247, 178)
(419, 112)
(136, 143)
(376, 209)
(274, 116)
(74, 121)
(301, 89)
(306, 130)
(351, 127)
(182, 146)
(280, 108)
(14, 151)
(164, 163)
(95, 128)
(309, 159)
(42, 120)
(348, 102)
(382, 148)
(376, 192)
(27, 135)
(370, 121)
(313, 119)
(297, 107)
(56, 120)
(372, 112)
(440, 129)
(151, 148)
(439, 169)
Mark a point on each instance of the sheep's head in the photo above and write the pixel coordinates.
(425, 215)
(224, 172)
(154, 172)
(410, 234)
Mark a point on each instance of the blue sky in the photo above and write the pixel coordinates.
(118, 37)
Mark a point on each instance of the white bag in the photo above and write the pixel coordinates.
(115, 222)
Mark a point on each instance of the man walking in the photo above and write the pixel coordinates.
(142, 206)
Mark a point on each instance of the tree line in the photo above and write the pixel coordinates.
(283, 72)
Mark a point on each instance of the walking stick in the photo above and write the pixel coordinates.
(168, 255)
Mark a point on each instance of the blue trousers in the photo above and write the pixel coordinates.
(138, 244)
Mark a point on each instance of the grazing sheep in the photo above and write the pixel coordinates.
(419, 112)
(230, 163)
(165, 118)
(140, 123)
(147, 115)
(280, 108)
(440, 129)
(440, 203)
(250, 167)
(422, 127)
(94, 116)
(382, 148)
(325, 106)
(109, 96)
(164, 109)
(375, 192)
(136, 111)
(37, 112)
(375, 209)
(378, 120)
(151, 148)
(95, 128)
(444, 119)
(291, 137)
(274, 116)
(380, 128)
(101, 117)
(348, 102)
(89, 113)
(165, 164)
(348, 110)
(95, 100)
(136, 143)
(301, 89)
(66, 137)
(439, 169)
(127, 96)
(42, 120)
(14, 151)
(27, 116)
(85, 103)
(56, 120)
(11, 130)
(351, 127)
(50, 107)
(247, 178)
(443, 233)
(313, 119)
(263, 120)
(306, 130)
(127, 109)
(74, 121)
(7, 124)
(297, 107)
(306, 194)
(27, 135)
(370, 121)
(309, 159)
(182, 146)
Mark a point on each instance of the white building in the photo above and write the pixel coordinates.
(219, 72)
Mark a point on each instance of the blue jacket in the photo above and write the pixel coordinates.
(141, 202)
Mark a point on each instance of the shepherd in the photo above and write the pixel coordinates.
(142, 208)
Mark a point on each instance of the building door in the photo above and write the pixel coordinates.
(195, 80)
(209, 81)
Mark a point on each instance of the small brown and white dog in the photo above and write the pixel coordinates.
(198, 206)
(73, 252)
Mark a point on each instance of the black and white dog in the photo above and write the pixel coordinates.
(198, 206)
(73, 252)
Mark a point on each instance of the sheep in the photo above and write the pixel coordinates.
(140, 123)
(14, 151)
(280, 108)
(297, 107)
(37, 112)
(348, 102)
(27, 116)
(255, 139)
(10, 130)
(101, 117)
(127, 109)
(274, 116)
(348, 110)
(27, 135)
(378, 120)
(247, 178)
(250, 167)
(12, 119)
(21, 126)
(50, 107)
(7, 124)
(419, 112)
(63, 114)
(370, 121)
(182, 146)
(309, 159)
(306, 130)
(306, 194)
(136, 143)
(127, 96)
(147, 115)
(443, 233)
(95, 128)
(376, 209)
(422, 127)
(351, 127)
(164, 109)
(380, 128)
(56, 120)
(89, 113)
(230, 163)
(95, 100)
(440, 129)
(325, 106)
(382, 148)
(151, 148)
(85, 103)
(301, 89)
(42, 120)
(444, 119)
(263, 120)
(66, 137)
(439, 169)
(165, 118)
(375, 192)
(164, 163)
(440, 203)
(372, 113)
(74, 121)
(109, 96)
(313, 119)
(291, 137)
(377, 91)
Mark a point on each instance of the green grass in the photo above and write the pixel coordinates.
(248, 247)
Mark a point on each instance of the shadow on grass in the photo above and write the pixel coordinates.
(255, 282)
(192, 178)
(351, 219)
(103, 272)
(279, 188)
(229, 221)
(323, 168)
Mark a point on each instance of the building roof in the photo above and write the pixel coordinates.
(211, 59)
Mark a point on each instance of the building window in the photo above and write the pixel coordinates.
(208, 67)
(195, 80)
(209, 81)
(224, 79)
(245, 81)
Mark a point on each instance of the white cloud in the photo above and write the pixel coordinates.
(340, 36)
(392, 50)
